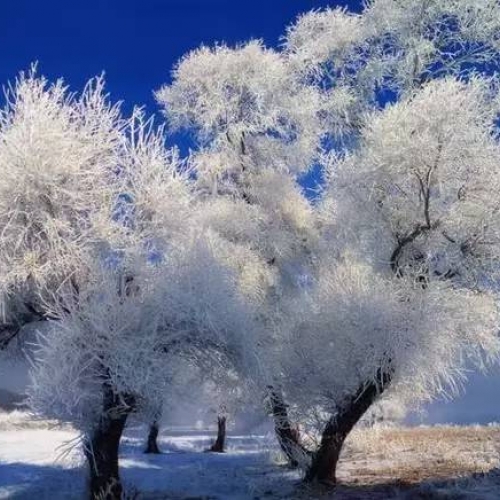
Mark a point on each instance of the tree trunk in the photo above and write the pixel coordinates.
(220, 442)
(324, 462)
(152, 445)
(288, 436)
(102, 445)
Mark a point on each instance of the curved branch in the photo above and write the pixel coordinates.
(402, 243)
(7, 333)
(425, 192)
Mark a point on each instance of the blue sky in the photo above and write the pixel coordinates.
(136, 42)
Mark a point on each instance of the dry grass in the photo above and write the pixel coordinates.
(432, 463)
(415, 455)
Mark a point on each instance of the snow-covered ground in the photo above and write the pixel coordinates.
(43, 463)
(40, 462)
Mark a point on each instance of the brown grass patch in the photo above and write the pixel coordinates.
(416, 455)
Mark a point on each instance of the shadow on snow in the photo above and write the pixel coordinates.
(245, 472)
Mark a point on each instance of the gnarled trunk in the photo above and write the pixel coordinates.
(288, 436)
(220, 442)
(324, 462)
(152, 444)
(102, 445)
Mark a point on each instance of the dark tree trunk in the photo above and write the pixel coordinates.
(324, 462)
(152, 444)
(288, 436)
(220, 442)
(102, 445)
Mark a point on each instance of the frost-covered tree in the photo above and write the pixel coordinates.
(357, 333)
(228, 274)
(409, 205)
(360, 61)
(57, 157)
(420, 40)
(424, 177)
(109, 356)
(256, 128)
(245, 108)
(151, 284)
(254, 136)
(96, 242)
(59, 153)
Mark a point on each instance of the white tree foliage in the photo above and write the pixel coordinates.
(248, 93)
(410, 194)
(425, 178)
(58, 153)
(218, 267)
(152, 286)
(258, 125)
(356, 321)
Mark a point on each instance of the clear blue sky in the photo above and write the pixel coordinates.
(136, 42)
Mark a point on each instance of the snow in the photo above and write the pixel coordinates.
(42, 462)
(31, 467)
